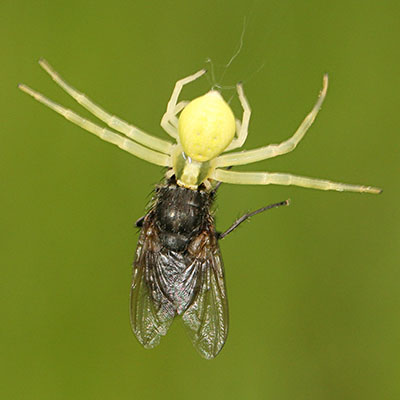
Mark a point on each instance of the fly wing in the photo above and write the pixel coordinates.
(207, 316)
(151, 311)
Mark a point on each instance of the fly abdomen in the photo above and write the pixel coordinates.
(174, 241)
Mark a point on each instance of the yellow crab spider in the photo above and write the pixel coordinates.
(203, 129)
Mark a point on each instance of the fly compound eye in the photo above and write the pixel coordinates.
(206, 127)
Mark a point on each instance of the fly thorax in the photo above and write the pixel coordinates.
(180, 215)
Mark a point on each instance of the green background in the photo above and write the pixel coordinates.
(313, 288)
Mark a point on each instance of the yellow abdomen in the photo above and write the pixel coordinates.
(206, 127)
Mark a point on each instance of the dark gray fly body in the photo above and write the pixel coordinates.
(178, 269)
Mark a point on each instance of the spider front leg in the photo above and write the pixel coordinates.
(168, 121)
(277, 178)
(105, 134)
(111, 120)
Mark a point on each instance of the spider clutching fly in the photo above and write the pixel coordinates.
(178, 267)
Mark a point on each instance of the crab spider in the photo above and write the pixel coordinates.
(204, 129)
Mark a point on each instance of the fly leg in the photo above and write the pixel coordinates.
(139, 222)
(248, 215)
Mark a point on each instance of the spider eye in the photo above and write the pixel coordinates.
(206, 127)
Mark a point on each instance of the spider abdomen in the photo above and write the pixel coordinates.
(206, 127)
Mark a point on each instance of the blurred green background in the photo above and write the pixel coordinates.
(313, 288)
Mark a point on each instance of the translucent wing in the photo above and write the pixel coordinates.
(207, 316)
(151, 311)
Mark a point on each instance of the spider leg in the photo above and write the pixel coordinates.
(242, 127)
(179, 107)
(249, 215)
(217, 185)
(122, 142)
(276, 178)
(171, 107)
(111, 120)
(273, 150)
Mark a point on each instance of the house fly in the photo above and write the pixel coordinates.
(178, 269)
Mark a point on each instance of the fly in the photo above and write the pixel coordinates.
(178, 269)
